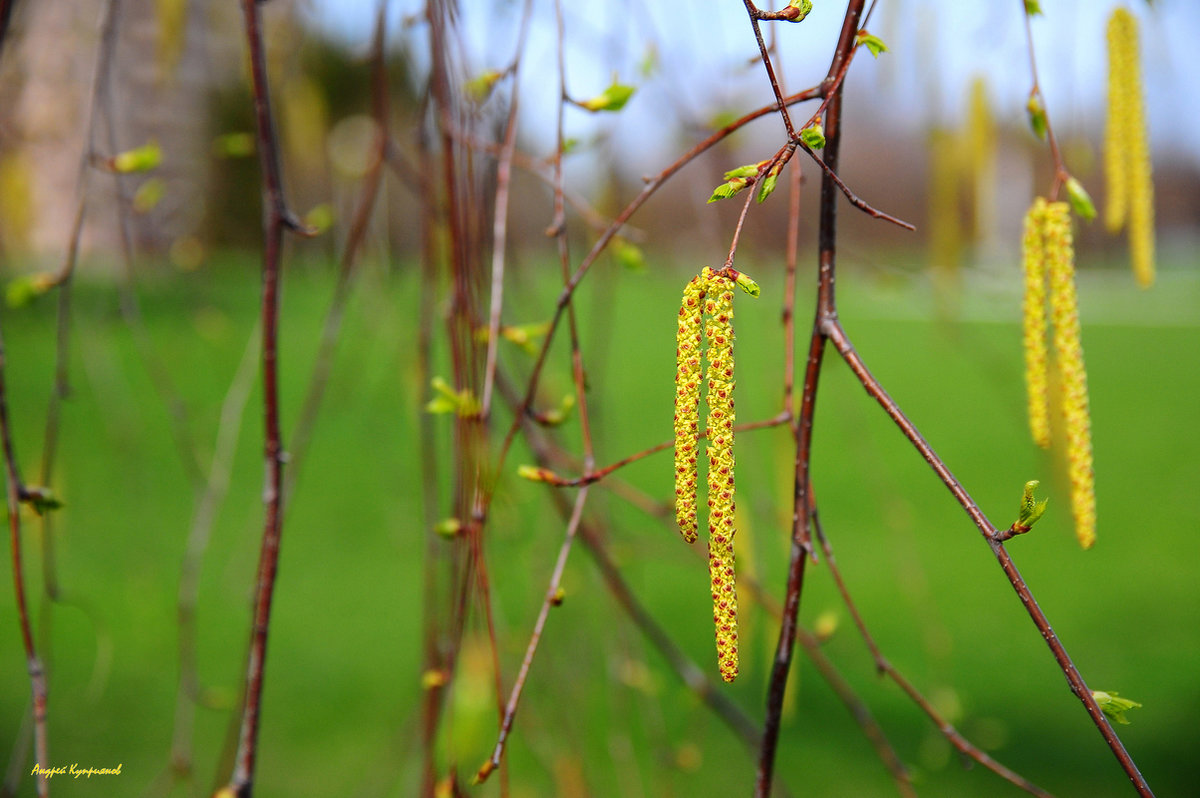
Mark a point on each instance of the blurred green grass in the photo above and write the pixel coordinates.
(341, 711)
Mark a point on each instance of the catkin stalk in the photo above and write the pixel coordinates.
(1060, 262)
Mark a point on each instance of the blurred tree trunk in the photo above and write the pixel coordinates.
(157, 88)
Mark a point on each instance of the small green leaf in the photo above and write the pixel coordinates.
(629, 255)
(139, 159)
(1037, 115)
(611, 99)
(1113, 706)
(727, 190)
(555, 417)
(448, 527)
(767, 186)
(536, 474)
(746, 170)
(1081, 203)
(797, 10)
(872, 42)
(462, 403)
(148, 195)
(648, 64)
(569, 145)
(441, 405)
(23, 290)
(1033, 8)
(1031, 510)
(319, 217)
(478, 89)
(747, 284)
(813, 136)
(234, 145)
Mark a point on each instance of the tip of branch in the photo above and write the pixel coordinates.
(484, 771)
(292, 222)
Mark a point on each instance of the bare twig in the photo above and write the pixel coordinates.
(993, 536)
(803, 421)
(16, 494)
(884, 666)
(276, 218)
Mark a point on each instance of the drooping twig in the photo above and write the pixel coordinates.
(559, 225)
(504, 163)
(837, 336)
(276, 219)
(16, 494)
(803, 421)
(884, 666)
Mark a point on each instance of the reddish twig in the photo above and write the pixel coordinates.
(1060, 165)
(994, 538)
(276, 219)
(803, 421)
(16, 494)
(600, 473)
(504, 165)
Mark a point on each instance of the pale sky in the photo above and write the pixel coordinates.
(937, 48)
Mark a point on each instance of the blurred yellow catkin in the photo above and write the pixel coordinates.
(981, 157)
(1127, 165)
(1034, 339)
(1060, 263)
(721, 528)
(687, 400)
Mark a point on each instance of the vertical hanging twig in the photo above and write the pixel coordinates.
(16, 493)
(802, 424)
(276, 218)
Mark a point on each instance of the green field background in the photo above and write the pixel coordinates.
(603, 714)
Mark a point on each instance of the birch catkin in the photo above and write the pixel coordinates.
(1116, 164)
(687, 400)
(1034, 262)
(719, 334)
(1126, 148)
(1060, 262)
(709, 296)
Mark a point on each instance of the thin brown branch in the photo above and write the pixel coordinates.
(549, 600)
(16, 494)
(601, 473)
(755, 15)
(854, 198)
(276, 219)
(504, 165)
(1035, 93)
(802, 424)
(884, 666)
(992, 535)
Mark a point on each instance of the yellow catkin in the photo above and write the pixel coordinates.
(1060, 262)
(1127, 150)
(981, 156)
(687, 400)
(721, 528)
(1034, 262)
(1116, 163)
